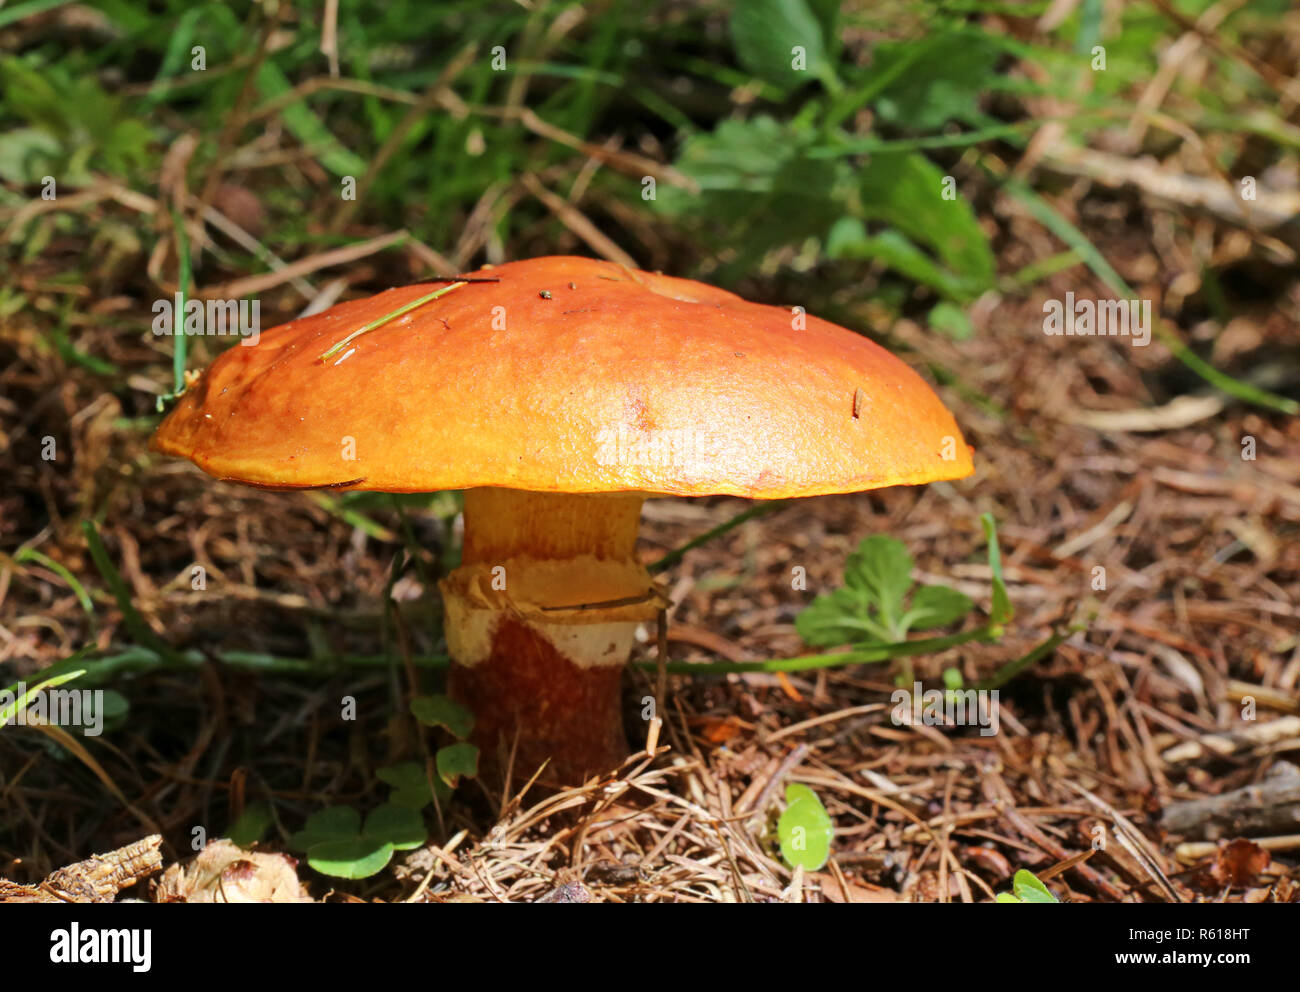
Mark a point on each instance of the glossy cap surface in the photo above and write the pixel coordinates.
(566, 375)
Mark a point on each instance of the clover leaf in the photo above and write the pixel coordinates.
(439, 711)
(411, 785)
(338, 844)
(456, 760)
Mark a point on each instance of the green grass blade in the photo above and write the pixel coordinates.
(8, 713)
(1049, 217)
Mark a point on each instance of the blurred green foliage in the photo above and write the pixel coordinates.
(857, 138)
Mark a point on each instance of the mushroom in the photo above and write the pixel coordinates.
(559, 393)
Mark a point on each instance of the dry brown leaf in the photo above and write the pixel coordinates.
(1237, 863)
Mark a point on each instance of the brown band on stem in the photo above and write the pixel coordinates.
(563, 714)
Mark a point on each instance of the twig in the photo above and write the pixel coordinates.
(577, 222)
(97, 879)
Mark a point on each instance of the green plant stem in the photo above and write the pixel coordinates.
(135, 623)
(1013, 668)
(78, 590)
(882, 652)
(140, 660)
(180, 345)
(757, 510)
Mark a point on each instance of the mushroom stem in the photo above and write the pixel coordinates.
(540, 619)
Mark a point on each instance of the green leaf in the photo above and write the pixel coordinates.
(1028, 888)
(921, 84)
(411, 785)
(764, 32)
(399, 826)
(881, 568)
(869, 609)
(354, 857)
(906, 190)
(337, 845)
(848, 239)
(440, 711)
(1002, 610)
(804, 829)
(456, 760)
(840, 617)
(869, 614)
(737, 156)
(307, 127)
(952, 320)
(251, 825)
(952, 679)
(27, 154)
(759, 189)
(330, 824)
(936, 606)
(90, 124)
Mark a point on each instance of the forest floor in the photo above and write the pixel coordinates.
(1151, 520)
(1193, 611)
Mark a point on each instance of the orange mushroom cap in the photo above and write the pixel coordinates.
(566, 375)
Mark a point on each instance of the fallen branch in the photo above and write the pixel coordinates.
(1269, 807)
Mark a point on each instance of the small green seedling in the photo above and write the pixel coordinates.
(804, 829)
(338, 844)
(880, 604)
(1027, 888)
(873, 606)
